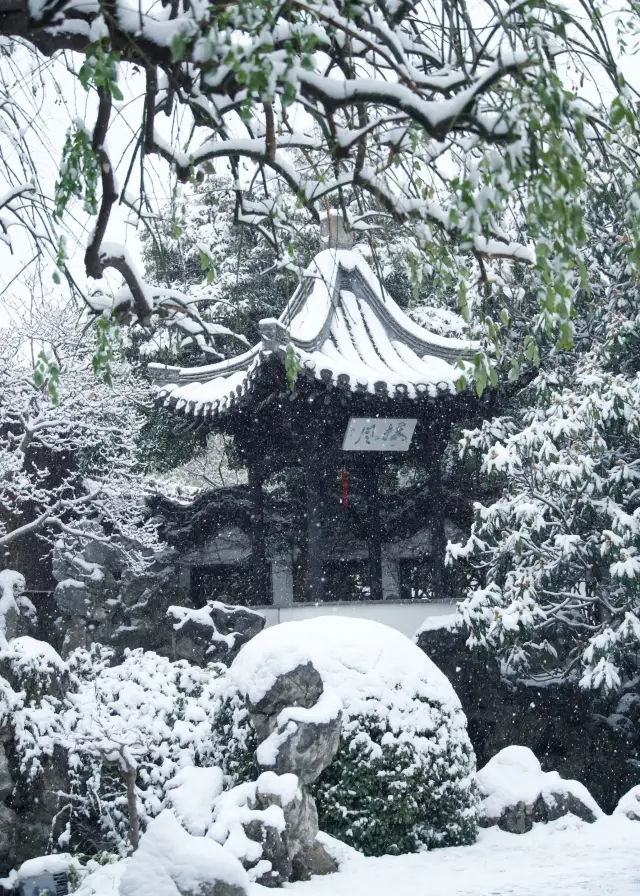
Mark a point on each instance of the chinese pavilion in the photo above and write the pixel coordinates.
(373, 390)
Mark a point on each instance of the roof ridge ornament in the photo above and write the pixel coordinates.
(333, 232)
(273, 333)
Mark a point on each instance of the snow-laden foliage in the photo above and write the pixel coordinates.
(68, 439)
(125, 731)
(32, 681)
(400, 782)
(402, 778)
(557, 555)
(146, 714)
(233, 273)
(476, 130)
(13, 604)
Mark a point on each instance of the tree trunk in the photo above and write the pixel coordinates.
(132, 807)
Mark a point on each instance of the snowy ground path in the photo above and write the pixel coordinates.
(567, 857)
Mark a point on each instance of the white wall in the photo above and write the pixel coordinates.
(405, 617)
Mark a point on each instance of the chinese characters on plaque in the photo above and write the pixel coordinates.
(378, 434)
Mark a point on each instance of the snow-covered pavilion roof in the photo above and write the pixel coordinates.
(346, 331)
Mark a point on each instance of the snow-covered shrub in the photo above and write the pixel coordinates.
(32, 682)
(148, 714)
(385, 794)
(402, 779)
(171, 862)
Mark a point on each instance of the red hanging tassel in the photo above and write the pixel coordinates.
(345, 488)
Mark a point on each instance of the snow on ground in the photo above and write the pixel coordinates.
(568, 857)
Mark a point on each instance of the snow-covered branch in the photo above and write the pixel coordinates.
(468, 126)
(67, 439)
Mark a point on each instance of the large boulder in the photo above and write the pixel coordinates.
(402, 776)
(301, 686)
(304, 741)
(297, 724)
(516, 793)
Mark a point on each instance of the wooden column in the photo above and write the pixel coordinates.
(438, 540)
(314, 499)
(374, 535)
(431, 460)
(259, 565)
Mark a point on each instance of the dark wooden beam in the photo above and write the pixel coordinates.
(314, 499)
(374, 535)
(260, 567)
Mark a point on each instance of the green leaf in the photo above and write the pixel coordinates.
(78, 177)
(178, 46)
(292, 367)
(480, 379)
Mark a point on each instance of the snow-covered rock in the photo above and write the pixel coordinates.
(101, 599)
(299, 686)
(59, 863)
(215, 633)
(298, 724)
(172, 862)
(629, 804)
(516, 793)
(271, 825)
(402, 778)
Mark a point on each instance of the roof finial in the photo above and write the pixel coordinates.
(333, 232)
